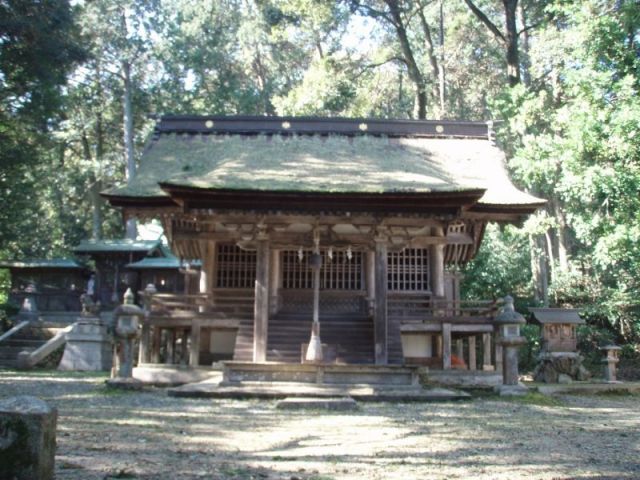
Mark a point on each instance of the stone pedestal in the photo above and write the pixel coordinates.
(88, 346)
(27, 439)
(554, 366)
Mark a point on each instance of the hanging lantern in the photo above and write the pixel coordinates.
(300, 254)
(330, 253)
(349, 253)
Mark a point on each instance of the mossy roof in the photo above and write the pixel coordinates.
(162, 263)
(54, 263)
(118, 245)
(328, 163)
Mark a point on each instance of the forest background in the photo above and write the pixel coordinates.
(80, 83)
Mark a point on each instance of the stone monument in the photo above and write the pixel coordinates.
(88, 345)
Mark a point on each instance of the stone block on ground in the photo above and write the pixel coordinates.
(512, 390)
(335, 404)
(27, 439)
(88, 347)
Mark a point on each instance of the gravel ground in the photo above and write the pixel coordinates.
(105, 434)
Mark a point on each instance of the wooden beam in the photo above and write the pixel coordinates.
(380, 314)
(261, 302)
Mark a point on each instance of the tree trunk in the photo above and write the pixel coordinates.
(433, 61)
(441, 79)
(128, 138)
(509, 39)
(563, 237)
(513, 60)
(407, 52)
(538, 270)
(526, 62)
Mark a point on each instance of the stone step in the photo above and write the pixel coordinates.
(366, 393)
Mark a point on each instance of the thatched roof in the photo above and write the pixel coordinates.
(331, 161)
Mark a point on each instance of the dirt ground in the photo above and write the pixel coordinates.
(105, 434)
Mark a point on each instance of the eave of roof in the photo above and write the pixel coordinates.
(167, 263)
(116, 245)
(557, 316)
(54, 263)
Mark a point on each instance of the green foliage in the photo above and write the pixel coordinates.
(528, 353)
(501, 267)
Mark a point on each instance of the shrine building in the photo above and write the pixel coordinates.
(343, 232)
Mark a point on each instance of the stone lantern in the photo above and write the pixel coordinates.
(610, 362)
(127, 318)
(508, 324)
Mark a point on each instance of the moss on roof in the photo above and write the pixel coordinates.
(119, 245)
(334, 163)
(53, 263)
(162, 262)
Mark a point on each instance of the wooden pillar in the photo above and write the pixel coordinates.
(194, 347)
(380, 314)
(171, 353)
(437, 265)
(446, 346)
(184, 339)
(460, 348)
(261, 303)
(207, 272)
(486, 352)
(370, 276)
(274, 282)
(473, 364)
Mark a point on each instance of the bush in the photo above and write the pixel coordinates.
(590, 339)
(528, 353)
(7, 310)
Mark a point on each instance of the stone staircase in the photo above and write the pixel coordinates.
(27, 339)
(348, 336)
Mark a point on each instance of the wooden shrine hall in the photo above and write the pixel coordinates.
(322, 239)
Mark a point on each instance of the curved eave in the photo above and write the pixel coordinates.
(386, 202)
(139, 202)
(512, 208)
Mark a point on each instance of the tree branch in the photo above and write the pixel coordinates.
(484, 19)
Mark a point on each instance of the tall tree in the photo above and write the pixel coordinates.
(507, 37)
(39, 46)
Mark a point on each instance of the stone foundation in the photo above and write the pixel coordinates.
(560, 368)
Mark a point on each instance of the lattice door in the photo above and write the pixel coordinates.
(339, 273)
(236, 267)
(408, 270)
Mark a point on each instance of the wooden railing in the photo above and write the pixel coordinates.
(173, 323)
(422, 309)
